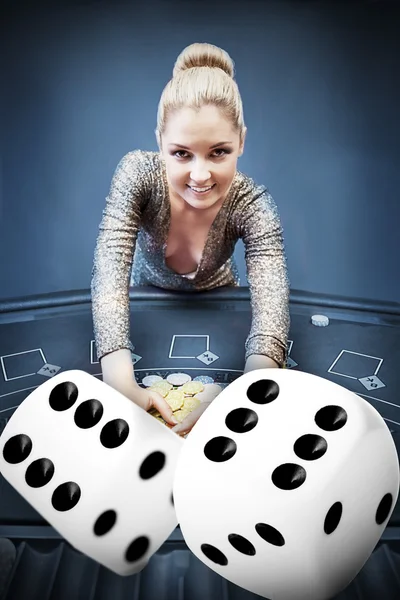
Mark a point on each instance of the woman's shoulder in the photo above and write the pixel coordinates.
(140, 170)
(248, 191)
(141, 159)
(251, 203)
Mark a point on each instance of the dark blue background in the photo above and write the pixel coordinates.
(319, 82)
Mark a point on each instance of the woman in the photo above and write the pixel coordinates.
(172, 219)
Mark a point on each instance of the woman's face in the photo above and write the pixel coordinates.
(191, 160)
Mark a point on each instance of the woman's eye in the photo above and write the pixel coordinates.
(220, 152)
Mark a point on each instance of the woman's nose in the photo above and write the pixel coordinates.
(200, 174)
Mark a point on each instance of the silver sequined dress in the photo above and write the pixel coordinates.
(131, 244)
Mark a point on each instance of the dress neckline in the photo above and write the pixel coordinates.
(211, 230)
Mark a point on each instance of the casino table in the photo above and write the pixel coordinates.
(199, 334)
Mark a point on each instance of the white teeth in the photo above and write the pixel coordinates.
(200, 189)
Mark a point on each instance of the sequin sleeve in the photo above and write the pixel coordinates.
(268, 280)
(114, 252)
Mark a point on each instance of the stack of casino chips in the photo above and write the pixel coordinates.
(181, 393)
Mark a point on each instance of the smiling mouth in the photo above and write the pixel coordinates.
(201, 191)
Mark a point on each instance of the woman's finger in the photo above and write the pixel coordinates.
(188, 422)
(163, 408)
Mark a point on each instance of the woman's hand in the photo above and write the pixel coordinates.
(118, 373)
(188, 422)
(146, 399)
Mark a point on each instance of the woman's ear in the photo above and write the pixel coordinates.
(243, 137)
(158, 139)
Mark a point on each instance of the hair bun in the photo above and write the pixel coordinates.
(204, 55)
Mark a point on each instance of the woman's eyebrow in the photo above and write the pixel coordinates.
(211, 147)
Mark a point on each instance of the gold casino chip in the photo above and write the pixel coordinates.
(182, 400)
(181, 414)
(162, 387)
(154, 412)
(175, 399)
(192, 387)
(190, 403)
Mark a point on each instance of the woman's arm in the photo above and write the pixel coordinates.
(117, 367)
(259, 361)
(113, 257)
(269, 286)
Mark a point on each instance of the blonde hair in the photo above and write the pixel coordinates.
(203, 75)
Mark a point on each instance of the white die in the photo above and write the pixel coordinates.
(281, 481)
(95, 466)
